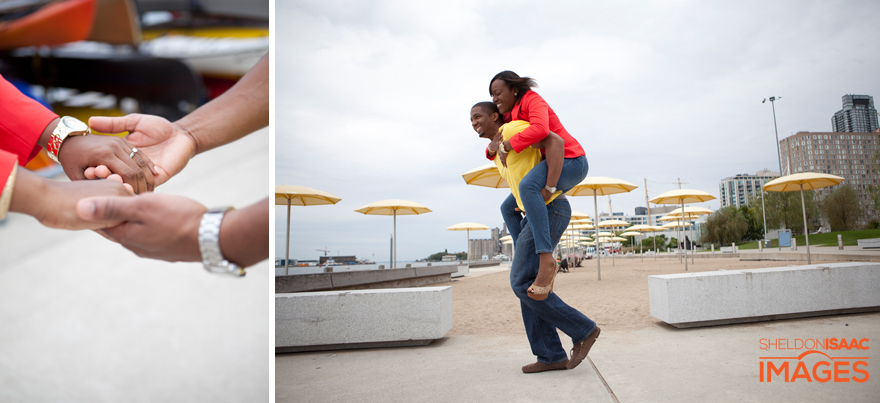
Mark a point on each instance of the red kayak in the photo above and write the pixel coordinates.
(53, 24)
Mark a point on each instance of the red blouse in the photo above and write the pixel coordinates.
(533, 109)
(22, 121)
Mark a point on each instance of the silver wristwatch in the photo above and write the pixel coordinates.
(551, 190)
(209, 244)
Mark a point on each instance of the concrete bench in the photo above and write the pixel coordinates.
(365, 279)
(334, 320)
(722, 297)
(463, 270)
(869, 243)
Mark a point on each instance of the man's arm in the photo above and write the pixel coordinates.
(554, 152)
(166, 227)
(241, 110)
(238, 112)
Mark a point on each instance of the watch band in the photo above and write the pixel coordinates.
(209, 244)
(67, 126)
(551, 190)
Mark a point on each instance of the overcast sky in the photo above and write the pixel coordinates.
(372, 100)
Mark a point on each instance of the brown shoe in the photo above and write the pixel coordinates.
(541, 367)
(580, 350)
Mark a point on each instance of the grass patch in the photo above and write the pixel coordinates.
(850, 238)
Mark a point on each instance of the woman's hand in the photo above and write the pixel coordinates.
(79, 153)
(53, 203)
(166, 143)
(546, 194)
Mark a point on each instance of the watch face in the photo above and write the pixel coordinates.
(74, 124)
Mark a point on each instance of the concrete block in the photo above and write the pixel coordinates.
(463, 270)
(869, 243)
(331, 320)
(299, 282)
(721, 297)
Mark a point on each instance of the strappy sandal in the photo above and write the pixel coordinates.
(539, 293)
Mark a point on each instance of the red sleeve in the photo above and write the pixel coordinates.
(535, 110)
(22, 121)
(492, 158)
(7, 162)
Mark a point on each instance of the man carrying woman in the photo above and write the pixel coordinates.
(542, 310)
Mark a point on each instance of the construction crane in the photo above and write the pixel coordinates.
(325, 250)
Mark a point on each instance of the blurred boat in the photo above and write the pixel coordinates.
(225, 57)
(31, 23)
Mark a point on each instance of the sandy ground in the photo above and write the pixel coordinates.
(485, 305)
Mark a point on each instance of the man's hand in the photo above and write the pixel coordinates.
(79, 153)
(167, 144)
(157, 226)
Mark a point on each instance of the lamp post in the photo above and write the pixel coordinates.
(778, 152)
(778, 156)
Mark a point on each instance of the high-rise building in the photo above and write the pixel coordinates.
(857, 116)
(735, 190)
(847, 155)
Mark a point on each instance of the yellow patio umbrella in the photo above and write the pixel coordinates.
(675, 224)
(577, 215)
(468, 226)
(682, 196)
(486, 175)
(290, 195)
(600, 186)
(613, 223)
(645, 228)
(393, 207)
(801, 181)
(631, 234)
(582, 226)
(506, 238)
(605, 233)
(690, 213)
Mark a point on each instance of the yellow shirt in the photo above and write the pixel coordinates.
(518, 164)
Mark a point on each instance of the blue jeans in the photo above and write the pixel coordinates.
(542, 318)
(574, 170)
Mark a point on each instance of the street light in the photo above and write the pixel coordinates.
(778, 156)
(778, 153)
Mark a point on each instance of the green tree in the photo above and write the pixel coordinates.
(658, 240)
(842, 209)
(784, 210)
(726, 225)
(436, 257)
(673, 243)
(754, 220)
